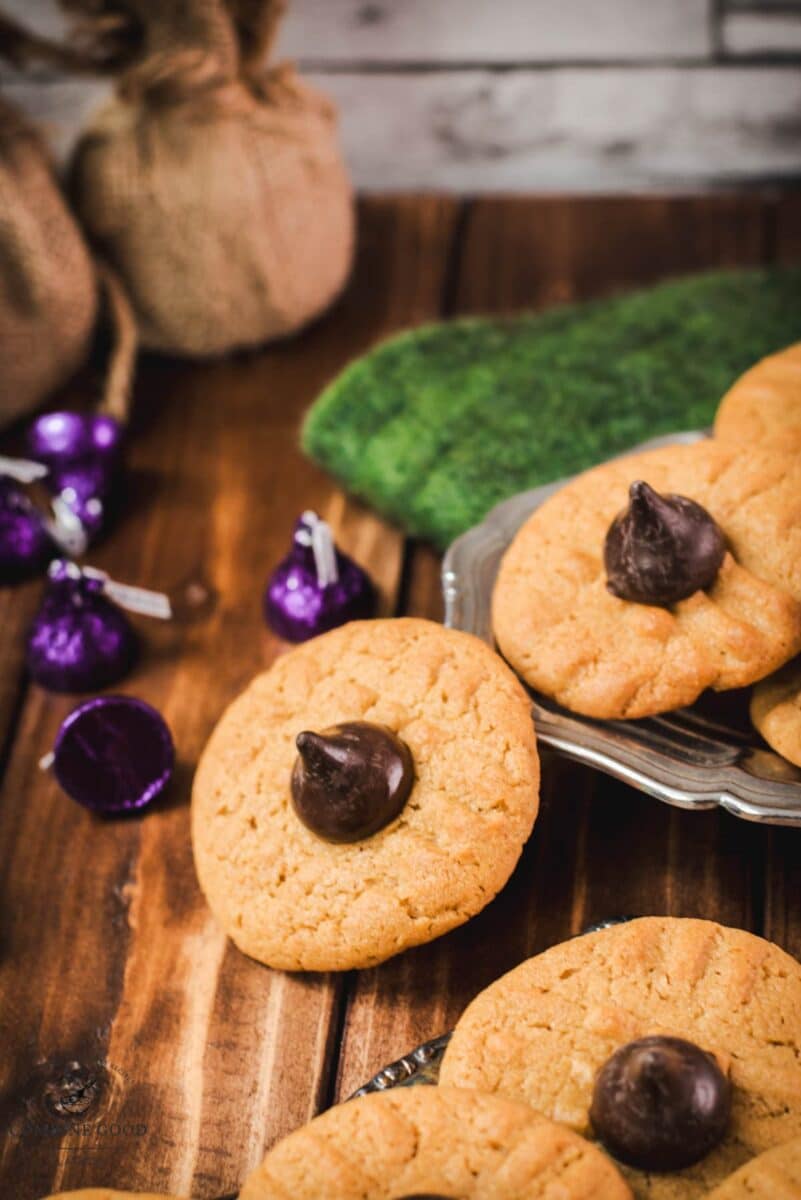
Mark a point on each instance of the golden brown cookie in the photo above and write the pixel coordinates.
(542, 1032)
(765, 402)
(106, 1194)
(776, 711)
(567, 636)
(774, 1175)
(295, 901)
(434, 1140)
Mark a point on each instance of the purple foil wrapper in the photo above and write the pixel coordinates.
(83, 452)
(300, 601)
(25, 545)
(62, 437)
(85, 486)
(80, 640)
(114, 754)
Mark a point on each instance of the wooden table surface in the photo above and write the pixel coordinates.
(140, 1049)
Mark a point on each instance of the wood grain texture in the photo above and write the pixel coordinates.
(776, 33)
(447, 31)
(110, 958)
(521, 253)
(594, 129)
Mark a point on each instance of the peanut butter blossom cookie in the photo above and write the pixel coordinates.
(675, 1043)
(776, 711)
(653, 577)
(774, 1175)
(434, 1143)
(765, 402)
(369, 792)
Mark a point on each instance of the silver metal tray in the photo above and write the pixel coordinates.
(420, 1066)
(696, 757)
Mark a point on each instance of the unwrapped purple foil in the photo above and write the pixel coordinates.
(114, 754)
(25, 545)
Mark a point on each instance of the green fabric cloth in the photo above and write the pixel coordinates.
(436, 425)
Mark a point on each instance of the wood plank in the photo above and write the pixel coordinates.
(522, 253)
(110, 956)
(561, 128)
(460, 31)
(758, 5)
(787, 231)
(776, 33)
(591, 129)
(17, 607)
(599, 849)
(448, 31)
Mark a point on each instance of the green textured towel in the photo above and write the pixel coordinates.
(436, 425)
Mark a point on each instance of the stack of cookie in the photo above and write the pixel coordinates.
(651, 578)
(674, 1042)
(657, 1059)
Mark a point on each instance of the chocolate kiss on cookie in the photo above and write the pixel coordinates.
(661, 549)
(660, 1104)
(350, 780)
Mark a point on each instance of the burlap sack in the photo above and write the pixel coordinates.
(216, 189)
(48, 289)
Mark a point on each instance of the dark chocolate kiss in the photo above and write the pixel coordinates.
(350, 780)
(661, 549)
(660, 1104)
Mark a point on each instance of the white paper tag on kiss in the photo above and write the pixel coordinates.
(24, 470)
(134, 599)
(66, 529)
(318, 535)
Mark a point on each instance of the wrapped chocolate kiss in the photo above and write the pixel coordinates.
(113, 755)
(26, 545)
(59, 439)
(83, 456)
(81, 639)
(316, 587)
(83, 494)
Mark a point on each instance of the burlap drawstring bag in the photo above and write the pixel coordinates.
(48, 289)
(215, 188)
(53, 295)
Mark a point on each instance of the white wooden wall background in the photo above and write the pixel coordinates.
(481, 95)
